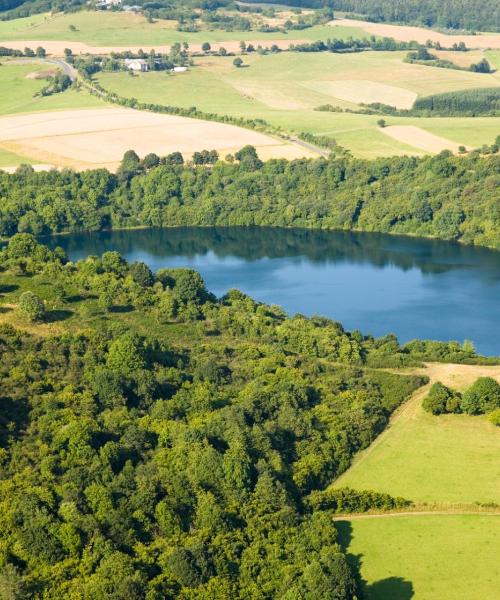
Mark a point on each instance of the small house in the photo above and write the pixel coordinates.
(136, 64)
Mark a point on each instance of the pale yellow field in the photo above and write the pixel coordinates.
(56, 48)
(420, 34)
(365, 92)
(99, 137)
(419, 138)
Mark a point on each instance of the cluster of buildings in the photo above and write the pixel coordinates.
(139, 64)
(108, 4)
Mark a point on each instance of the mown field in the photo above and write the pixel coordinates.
(284, 89)
(18, 88)
(116, 28)
(445, 459)
(448, 557)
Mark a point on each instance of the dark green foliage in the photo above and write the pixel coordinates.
(346, 500)
(31, 307)
(465, 102)
(141, 274)
(482, 397)
(441, 400)
(444, 196)
(184, 459)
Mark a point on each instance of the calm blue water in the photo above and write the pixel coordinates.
(375, 283)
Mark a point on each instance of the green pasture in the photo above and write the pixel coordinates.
(493, 56)
(446, 557)
(284, 89)
(17, 91)
(118, 28)
(427, 458)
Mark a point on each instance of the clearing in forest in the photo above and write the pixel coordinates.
(431, 557)
(100, 137)
(427, 458)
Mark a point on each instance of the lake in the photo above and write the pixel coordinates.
(379, 284)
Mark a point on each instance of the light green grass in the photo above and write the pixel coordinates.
(447, 458)
(493, 56)
(116, 28)
(9, 159)
(280, 89)
(426, 557)
(17, 91)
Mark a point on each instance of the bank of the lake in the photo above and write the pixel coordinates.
(377, 283)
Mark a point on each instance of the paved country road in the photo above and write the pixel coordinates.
(67, 69)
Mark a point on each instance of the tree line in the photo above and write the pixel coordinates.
(444, 196)
(481, 398)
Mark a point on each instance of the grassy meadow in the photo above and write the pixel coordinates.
(448, 557)
(426, 458)
(18, 89)
(118, 28)
(285, 88)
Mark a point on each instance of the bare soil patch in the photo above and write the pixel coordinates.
(42, 74)
(99, 137)
(405, 33)
(419, 138)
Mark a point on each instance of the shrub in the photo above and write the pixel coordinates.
(482, 397)
(31, 307)
(494, 417)
(441, 400)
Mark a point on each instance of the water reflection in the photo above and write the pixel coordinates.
(374, 282)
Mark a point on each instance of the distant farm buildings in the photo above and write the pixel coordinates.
(136, 64)
(108, 3)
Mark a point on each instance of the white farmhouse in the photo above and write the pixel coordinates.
(136, 64)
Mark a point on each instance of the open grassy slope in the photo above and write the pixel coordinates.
(447, 557)
(448, 458)
(17, 91)
(285, 88)
(116, 28)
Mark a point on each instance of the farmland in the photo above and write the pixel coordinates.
(130, 30)
(284, 89)
(99, 137)
(442, 461)
(18, 87)
(448, 459)
(431, 557)
(406, 33)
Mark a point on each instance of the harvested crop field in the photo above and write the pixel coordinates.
(99, 137)
(419, 138)
(405, 33)
(56, 48)
(367, 92)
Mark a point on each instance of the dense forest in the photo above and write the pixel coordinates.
(475, 102)
(157, 442)
(444, 196)
(465, 103)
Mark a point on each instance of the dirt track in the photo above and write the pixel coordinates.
(405, 33)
